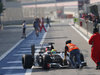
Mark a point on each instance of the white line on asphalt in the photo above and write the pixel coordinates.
(25, 48)
(13, 62)
(29, 71)
(80, 33)
(17, 54)
(13, 67)
(23, 51)
(6, 53)
(15, 74)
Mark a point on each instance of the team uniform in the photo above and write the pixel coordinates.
(95, 50)
(42, 25)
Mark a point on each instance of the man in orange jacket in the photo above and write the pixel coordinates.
(74, 51)
(95, 50)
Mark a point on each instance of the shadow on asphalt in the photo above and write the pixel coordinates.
(52, 69)
(59, 25)
(56, 38)
(89, 67)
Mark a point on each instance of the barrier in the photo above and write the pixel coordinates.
(80, 23)
(99, 27)
(87, 25)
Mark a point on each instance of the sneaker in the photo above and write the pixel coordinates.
(97, 68)
(80, 66)
(98, 65)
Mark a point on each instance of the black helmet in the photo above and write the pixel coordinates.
(68, 41)
(95, 30)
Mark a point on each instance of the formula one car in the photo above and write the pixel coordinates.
(47, 59)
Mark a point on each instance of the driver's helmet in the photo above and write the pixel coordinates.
(53, 51)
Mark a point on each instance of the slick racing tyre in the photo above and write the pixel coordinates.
(46, 61)
(82, 60)
(27, 61)
(81, 57)
(39, 59)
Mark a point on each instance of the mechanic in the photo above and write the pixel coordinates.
(95, 50)
(42, 25)
(74, 51)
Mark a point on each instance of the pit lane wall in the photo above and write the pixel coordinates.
(84, 26)
(87, 26)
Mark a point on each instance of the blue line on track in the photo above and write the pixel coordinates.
(14, 68)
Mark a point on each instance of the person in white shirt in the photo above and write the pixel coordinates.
(24, 29)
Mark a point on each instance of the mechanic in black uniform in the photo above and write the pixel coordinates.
(74, 51)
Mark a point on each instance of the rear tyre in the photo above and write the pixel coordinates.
(46, 61)
(39, 60)
(82, 60)
(81, 57)
(27, 61)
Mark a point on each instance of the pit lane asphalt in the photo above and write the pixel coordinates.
(10, 62)
(58, 33)
(10, 35)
